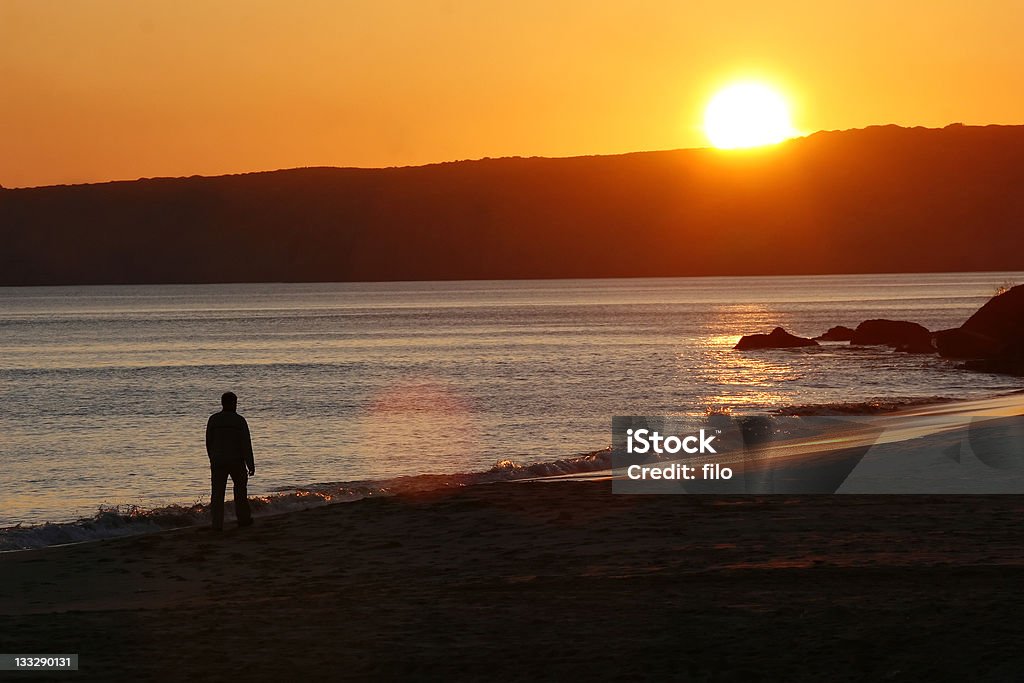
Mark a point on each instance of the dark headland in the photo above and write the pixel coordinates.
(881, 199)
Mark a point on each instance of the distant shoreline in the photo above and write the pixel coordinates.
(876, 200)
(753, 276)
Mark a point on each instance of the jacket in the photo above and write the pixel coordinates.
(227, 440)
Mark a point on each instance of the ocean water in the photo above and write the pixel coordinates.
(105, 391)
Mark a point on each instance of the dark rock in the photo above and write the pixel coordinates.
(918, 346)
(994, 330)
(1009, 361)
(961, 343)
(778, 339)
(898, 334)
(839, 333)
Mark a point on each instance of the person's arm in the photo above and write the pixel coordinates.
(208, 439)
(247, 446)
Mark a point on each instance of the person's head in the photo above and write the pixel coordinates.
(229, 401)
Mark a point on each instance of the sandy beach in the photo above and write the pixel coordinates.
(543, 580)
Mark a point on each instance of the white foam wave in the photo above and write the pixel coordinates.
(128, 520)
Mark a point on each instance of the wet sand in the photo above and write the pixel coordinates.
(543, 580)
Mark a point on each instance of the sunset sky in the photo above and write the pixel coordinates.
(98, 90)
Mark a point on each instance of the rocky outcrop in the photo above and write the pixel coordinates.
(1009, 361)
(992, 338)
(993, 331)
(778, 339)
(961, 343)
(839, 333)
(899, 334)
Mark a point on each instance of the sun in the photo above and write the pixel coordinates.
(747, 115)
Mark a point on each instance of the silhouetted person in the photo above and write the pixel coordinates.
(230, 450)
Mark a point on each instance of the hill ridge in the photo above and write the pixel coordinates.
(878, 199)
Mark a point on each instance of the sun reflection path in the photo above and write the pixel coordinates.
(730, 380)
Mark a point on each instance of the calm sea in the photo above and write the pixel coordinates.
(105, 391)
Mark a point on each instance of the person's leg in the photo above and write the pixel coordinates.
(218, 482)
(239, 478)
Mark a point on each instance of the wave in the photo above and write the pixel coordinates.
(875, 406)
(130, 520)
(108, 522)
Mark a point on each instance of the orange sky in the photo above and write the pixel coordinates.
(101, 89)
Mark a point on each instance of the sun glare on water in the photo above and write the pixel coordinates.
(747, 115)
